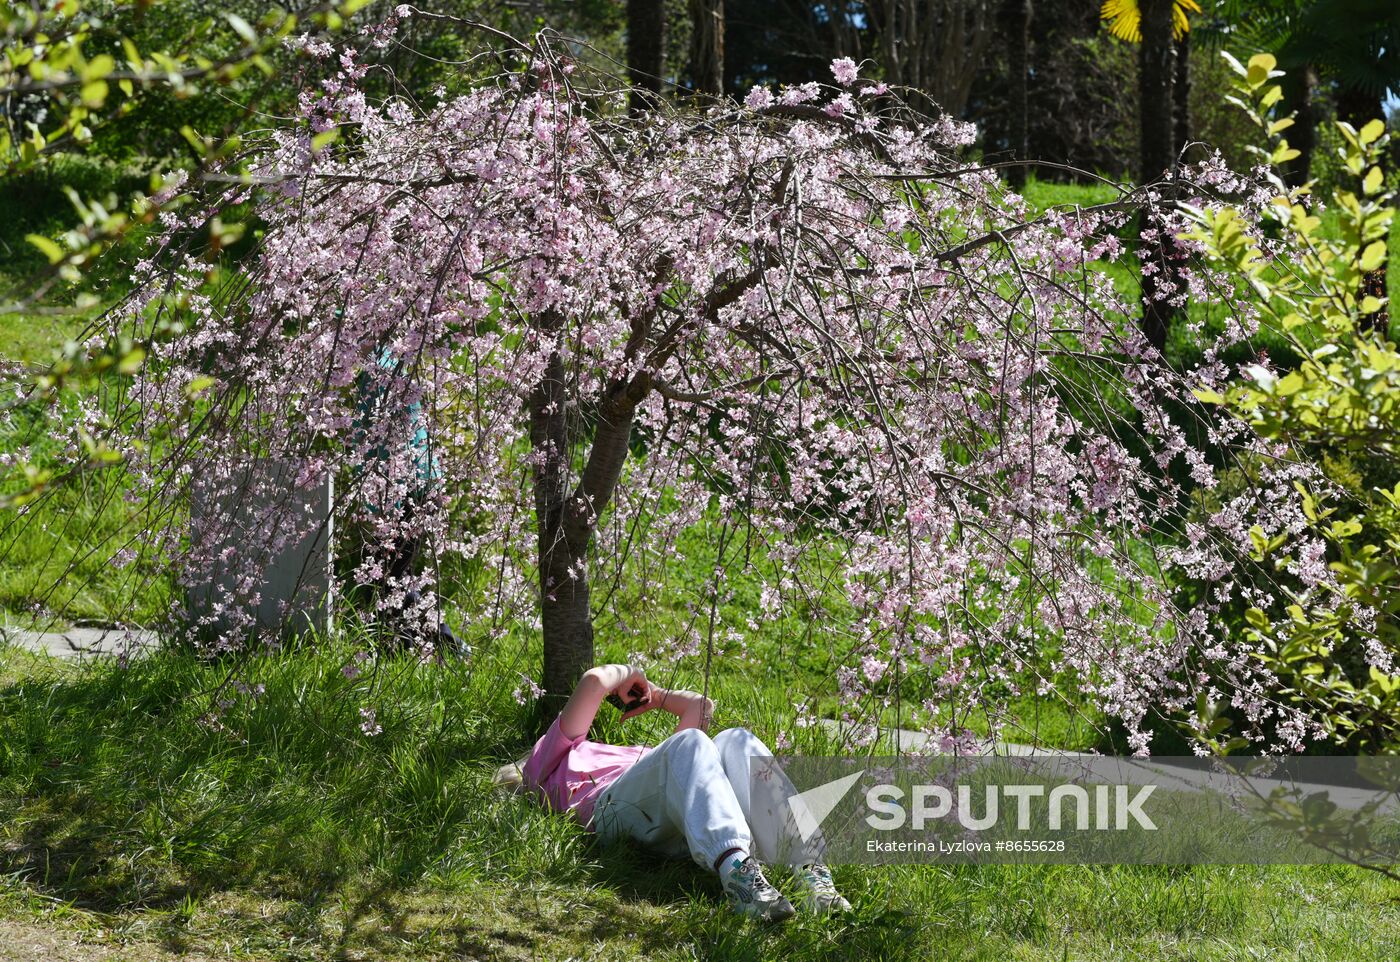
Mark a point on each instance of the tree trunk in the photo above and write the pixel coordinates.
(567, 519)
(1181, 96)
(1155, 82)
(933, 46)
(707, 46)
(567, 621)
(1299, 86)
(1018, 23)
(646, 51)
(1156, 155)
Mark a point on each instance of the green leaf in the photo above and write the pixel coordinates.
(98, 67)
(1341, 530)
(51, 250)
(94, 93)
(1371, 132)
(324, 139)
(1260, 66)
(1386, 683)
(1262, 376)
(1207, 396)
(133, 56)
(241, 27)
(132, 360)
(1374, 181)
(1373, 256)
(195, 141)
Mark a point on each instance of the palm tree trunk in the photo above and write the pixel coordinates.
(1181, 96)
(1156, 153)
(1155, 81)
(1299, 86)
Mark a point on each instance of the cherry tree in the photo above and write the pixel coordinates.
(805, 320)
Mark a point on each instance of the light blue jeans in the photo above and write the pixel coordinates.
(693, 793)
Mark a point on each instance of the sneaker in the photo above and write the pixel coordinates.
(819, 895)
(752, 895)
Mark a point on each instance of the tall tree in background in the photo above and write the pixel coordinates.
(1181, 94)
(1300, 98)
(1272, 26)
(1155, 70)
(1156, 26)
(790, 41)
(1160, 29)
(1017, 15)
(1356, 44)
(707, 46)
(646, 50)
(933, 46)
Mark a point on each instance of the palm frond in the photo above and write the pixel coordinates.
(1125, 18)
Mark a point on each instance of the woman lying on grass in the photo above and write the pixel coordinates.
(689, 793)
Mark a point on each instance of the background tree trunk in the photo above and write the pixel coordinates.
(1299, 86)
(646, 50)
(707, 46)
(1155, 83)
(933, 46)
(1155, 71)
(1181, 96)
(1018, 25)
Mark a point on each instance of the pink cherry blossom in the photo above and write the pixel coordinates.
(566, 348)
(844, 69)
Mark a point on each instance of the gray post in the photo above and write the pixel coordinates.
(292, 581)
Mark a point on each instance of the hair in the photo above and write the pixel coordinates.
(510, 777)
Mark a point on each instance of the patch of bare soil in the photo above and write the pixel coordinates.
(22, 941)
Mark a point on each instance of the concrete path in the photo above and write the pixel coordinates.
(80, 642)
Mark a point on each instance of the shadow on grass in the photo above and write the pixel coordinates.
(141, 787)
(142, 793)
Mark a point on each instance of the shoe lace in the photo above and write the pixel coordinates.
(751, 877)
(819, 877)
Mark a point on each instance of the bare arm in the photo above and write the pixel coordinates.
(692, 709)
(595, 685)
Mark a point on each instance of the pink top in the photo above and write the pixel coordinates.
(570, 773)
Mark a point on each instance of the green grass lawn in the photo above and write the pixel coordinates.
(290, 835)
